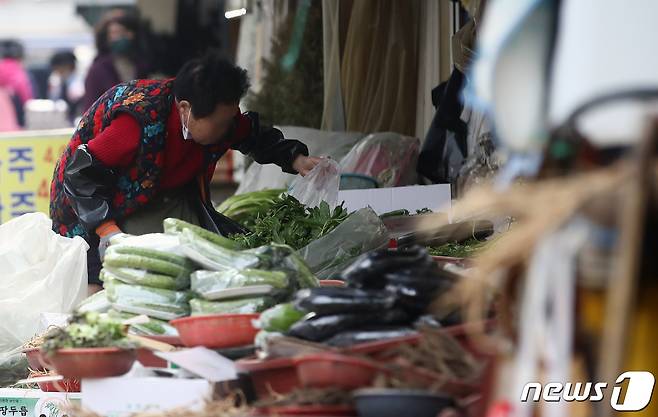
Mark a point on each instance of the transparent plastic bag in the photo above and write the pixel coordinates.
(361, 232)
(154, 302)
(40, 272)
(321, 184)
(388, 157)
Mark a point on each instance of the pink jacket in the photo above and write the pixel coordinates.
(14, 79)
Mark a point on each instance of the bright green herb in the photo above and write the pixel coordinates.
(289, 222)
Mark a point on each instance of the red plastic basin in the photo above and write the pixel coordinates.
(270, 376)
(327, 370)
(91, 362)
(217, 330)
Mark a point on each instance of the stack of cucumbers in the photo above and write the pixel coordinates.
(235, 281)
(148, 275)
(189, 270)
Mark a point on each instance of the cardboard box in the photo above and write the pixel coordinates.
(123, 396)
(35, 403)
(383, 200)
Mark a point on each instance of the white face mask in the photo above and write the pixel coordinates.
(185, 125)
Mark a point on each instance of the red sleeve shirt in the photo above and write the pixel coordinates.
(116, 147)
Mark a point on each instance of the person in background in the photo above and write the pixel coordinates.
(147, 150)
(64, 83)
(13, 77)
(117, 56)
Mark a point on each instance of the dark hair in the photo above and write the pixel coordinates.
(125, 19)
(63, 58)
(209, 81)
(11, 49)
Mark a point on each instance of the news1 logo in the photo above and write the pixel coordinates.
(639, 390)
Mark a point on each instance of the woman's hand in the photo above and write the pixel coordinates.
(304, 164)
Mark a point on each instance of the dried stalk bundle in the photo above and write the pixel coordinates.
(307, 396)
(538, 208)
(38, 340)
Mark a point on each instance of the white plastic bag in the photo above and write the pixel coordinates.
(321, 184)
(40, 272)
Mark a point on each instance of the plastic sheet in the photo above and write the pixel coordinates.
(154, 302)
(388, 157)
(41, 272)
(361, 232)
(321, 184)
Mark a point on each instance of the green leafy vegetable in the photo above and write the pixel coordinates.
(289, 222)
(87, 331)
(458, 250)
(245, 208)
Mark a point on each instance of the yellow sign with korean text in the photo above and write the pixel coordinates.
(27, 162)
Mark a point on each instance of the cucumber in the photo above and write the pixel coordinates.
(146, 278)
(153, 327)
(116, 260)
(177, 226)
(212, 256)
(122, 249)
(201, 307)
(211, 281)
(280, 318)
(154, 302)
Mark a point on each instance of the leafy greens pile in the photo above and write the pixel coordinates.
(87, 331)
(465, 249)
(287, 221)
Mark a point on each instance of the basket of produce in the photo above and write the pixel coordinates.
(91, 346)
(217, 331)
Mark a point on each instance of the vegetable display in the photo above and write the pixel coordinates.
(154, 302)
(246, 208)
(289, 222)
(88, 330)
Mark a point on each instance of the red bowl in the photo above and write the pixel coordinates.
(91, 362)
(34, 359)
(270, 376)
(217, 331)
(325, 370)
